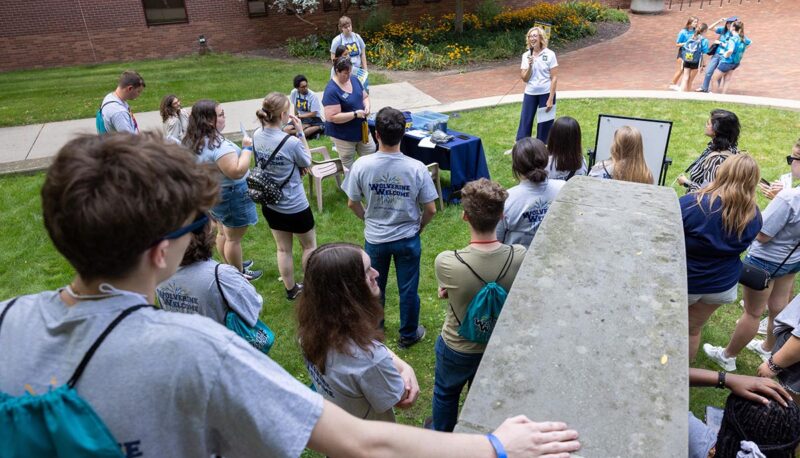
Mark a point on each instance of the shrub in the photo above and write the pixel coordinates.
(376, 21)
(487, 10)
(614, 15)
(591, 11)
(312, 46)
(566, 23)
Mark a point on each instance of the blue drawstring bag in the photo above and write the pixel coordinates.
(260, 336)
(485, 307)
(58, 423)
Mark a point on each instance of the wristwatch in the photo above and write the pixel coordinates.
(355, 115)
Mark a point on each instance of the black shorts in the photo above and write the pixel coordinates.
(296, 223)
(692, 66)
(315, 121)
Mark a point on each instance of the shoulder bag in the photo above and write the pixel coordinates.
(260, 187)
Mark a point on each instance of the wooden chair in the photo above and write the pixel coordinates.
(323, 169)
(433, 169)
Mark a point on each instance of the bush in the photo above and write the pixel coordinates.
(312, 46)
(591, 11)
(376, 21)
(487, 10)
(565, 21)
(501, 46)
(613, 15)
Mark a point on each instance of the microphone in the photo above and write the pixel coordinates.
(531, 51)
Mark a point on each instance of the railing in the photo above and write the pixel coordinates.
(702, 3)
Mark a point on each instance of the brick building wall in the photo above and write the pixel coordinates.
(50, 33)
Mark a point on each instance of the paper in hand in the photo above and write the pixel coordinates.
(543, 116)
(244, 131)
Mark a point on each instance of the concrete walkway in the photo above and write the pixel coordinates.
(637, 64)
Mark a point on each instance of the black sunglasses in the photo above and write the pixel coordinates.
(791, 158)
(196, 227)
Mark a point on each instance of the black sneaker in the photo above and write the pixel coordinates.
(405, 342)
(252, 275)
(292, 294)
(247, 264)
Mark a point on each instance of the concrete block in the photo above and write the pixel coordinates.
(594, 330)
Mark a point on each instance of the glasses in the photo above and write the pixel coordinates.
(195, 227)
(790, 158)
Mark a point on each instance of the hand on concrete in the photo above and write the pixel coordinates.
(522, 437)
(757, 389)
(411, 392)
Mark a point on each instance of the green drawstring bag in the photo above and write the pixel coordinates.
(58, 423)
(259, 336)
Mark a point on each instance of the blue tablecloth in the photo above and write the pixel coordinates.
(465, 159)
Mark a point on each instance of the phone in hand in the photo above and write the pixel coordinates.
(765, 182)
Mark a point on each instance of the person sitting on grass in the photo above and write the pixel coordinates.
(627, 159)
(306, 106)
(173, 384)
(457, 357)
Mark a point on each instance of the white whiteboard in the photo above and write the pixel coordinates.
(655, 137)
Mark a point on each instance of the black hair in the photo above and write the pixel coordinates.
(774, 428)
(390, 125)
(342, 63)
(564, 144)
(299, 79)
(726, 128)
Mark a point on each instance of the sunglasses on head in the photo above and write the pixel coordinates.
(196, 227)
(791, 158)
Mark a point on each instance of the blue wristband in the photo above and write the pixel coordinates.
(498, 446)
(248, 148)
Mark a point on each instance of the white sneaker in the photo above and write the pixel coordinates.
(674, 87)
(762, 326)
(756, 346)
(717, 354)
(507, 152)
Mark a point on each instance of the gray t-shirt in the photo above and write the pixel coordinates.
(193, 289)
(303, 104)
(354, 44)
(209, 155)
(291, 155)
(554, 174)
(165, 384)
(117, 115)
(789, 318)
(782, 223)
(366, 384)
(525, 210)
(394, 186)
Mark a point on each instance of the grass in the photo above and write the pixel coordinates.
(58, 94)
(29, 263)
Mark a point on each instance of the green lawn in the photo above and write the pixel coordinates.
(28, 262)
(58, 94)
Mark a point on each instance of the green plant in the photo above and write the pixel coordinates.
(311, 46)
(590, 11)
(501, 46)
(614, 15)
(486, 12)
(376, 21)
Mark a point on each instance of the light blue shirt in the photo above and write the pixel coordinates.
(684, 35)
(211, 155)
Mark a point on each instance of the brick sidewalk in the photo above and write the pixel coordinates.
(644, 57)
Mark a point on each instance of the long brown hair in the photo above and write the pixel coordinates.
(166, 109)
(564, 144)
(627, 151)
(735, 185)
(337, 308)
(202, 126)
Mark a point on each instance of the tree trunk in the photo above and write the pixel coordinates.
(459, 21)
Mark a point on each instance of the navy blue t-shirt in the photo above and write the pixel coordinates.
(349, 101)
(712, 255)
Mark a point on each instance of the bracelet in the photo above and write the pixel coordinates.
(721, 380)
(773, 367)
(248, 148)
(499, 450)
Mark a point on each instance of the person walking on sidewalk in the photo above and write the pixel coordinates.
(394, 187)
(719, 49)
(115, 111)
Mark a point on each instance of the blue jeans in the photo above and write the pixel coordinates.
(406, 253)
(530, 103)
(453, 371)
(710, 67)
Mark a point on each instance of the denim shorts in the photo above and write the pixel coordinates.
(725, 67)
(724, 297)
(235, 208)
(769, 266)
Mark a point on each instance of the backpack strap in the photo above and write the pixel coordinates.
(571, 174)
(503, 271)
(507, 264)
(88, 356)
(3, 315)
(272, 156)
(461, 260)
(219, 288)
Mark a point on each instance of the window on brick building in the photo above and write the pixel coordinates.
(164, 11)
(257, 9)
(331, 5)
(399, 2)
